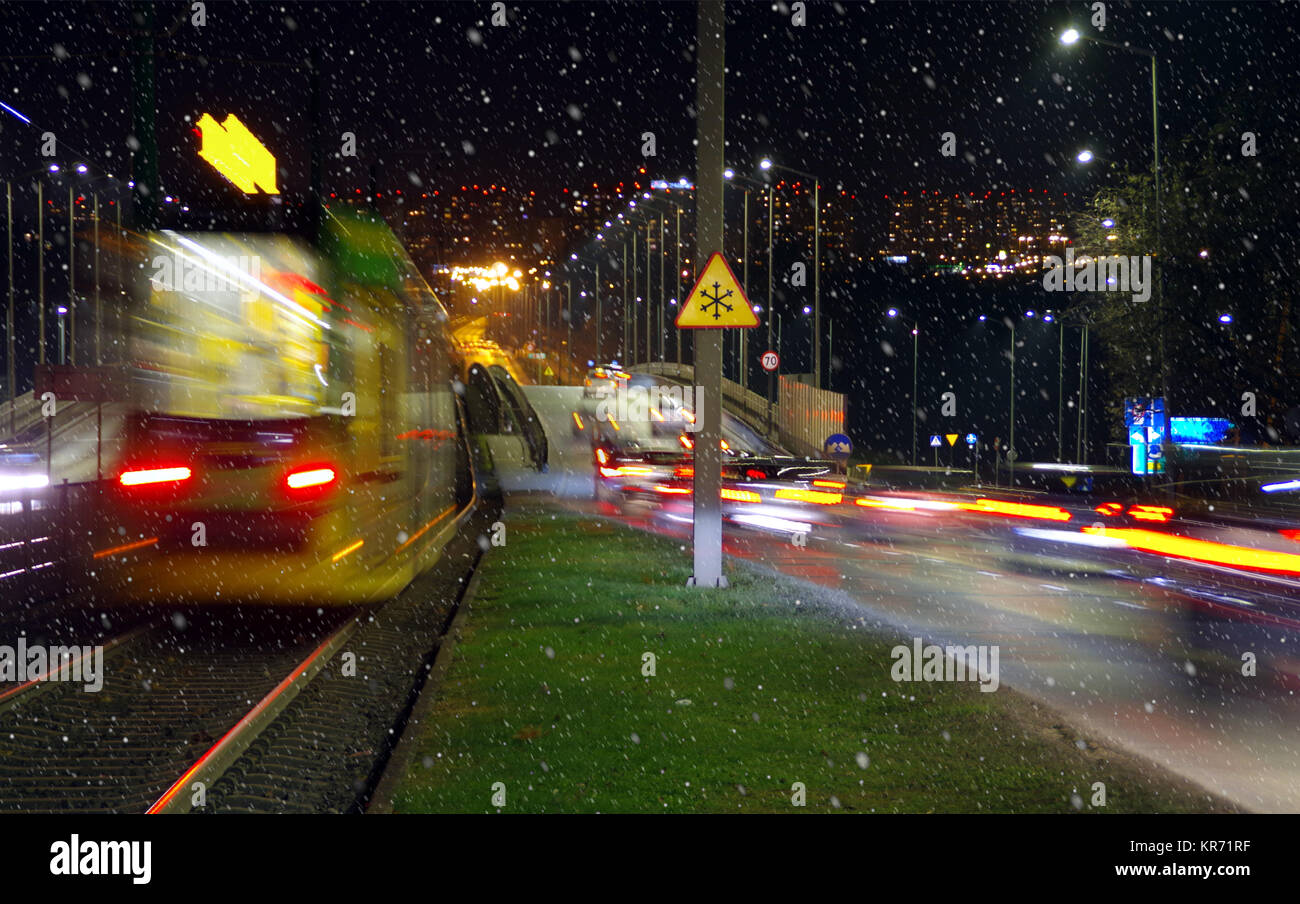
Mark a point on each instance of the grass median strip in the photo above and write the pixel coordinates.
(549, 701)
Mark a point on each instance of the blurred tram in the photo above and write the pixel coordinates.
(294, 437)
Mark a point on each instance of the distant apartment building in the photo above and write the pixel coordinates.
(971, 231)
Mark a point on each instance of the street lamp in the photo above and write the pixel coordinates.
(677, 277)
(892, 314)
(744, 184)
(1073, 36)
(1084, 156)
(767, 164)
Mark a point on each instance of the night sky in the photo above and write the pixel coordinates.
(562, 94)
(560, 97)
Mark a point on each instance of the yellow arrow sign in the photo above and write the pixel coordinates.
(951, 438)
(237, 154)
(717, 301)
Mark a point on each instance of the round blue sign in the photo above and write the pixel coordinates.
(837, 445)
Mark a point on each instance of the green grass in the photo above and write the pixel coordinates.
(756, 688)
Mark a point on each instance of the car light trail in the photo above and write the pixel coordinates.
(1281, 487)
(1016, 509)
(816, 497)
(1156, 513)
(1206, 551)
(740, 495)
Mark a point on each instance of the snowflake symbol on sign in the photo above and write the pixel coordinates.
(715, 300)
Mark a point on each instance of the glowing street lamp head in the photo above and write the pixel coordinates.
(1225, 318)
(1070, 36)
(892, 312)
(81, 167)
(1108, 223)
(765, 164)
(728, 173)
(1084, 157)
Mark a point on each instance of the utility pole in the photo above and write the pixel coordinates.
(744, 334)
(710, 58)
(771, 375)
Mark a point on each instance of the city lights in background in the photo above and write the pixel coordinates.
(484, 278)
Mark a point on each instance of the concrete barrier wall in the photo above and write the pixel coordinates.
(802, 418)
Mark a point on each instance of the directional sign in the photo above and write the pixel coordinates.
(717, 301)
(951, 438)
(237, 154)
(972, 439)
(770, 361)
(936, 441)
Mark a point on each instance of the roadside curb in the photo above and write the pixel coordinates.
(381, 802)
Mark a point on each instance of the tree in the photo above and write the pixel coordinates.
(1229, 240)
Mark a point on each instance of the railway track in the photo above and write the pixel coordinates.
(241, 710)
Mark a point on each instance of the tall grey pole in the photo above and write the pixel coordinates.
(636, 344)
(98, 306)
(916, 370)
(744, 334)
(1160, 273)
(40, 270)
(649, 303)
(600, 324)
(817, 284)
(1011, 444)
(72, 277)
(677, 286)
(11, 375)
(709, 124)
(771, 375)
(663, 291)
(1060, 390)
(622, 355)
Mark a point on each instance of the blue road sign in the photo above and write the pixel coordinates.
(972, 438)
(936, 441)
(838, 446)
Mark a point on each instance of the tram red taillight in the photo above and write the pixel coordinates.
(150, 476)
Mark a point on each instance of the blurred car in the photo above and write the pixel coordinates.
(603, 381)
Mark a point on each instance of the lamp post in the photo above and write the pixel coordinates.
(735, 181)
(1072, 36)
(767, 164)
(677, 275)
(916, 359)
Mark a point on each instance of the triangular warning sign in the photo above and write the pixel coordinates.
(548, 371)
(952, 438)
(717, 301)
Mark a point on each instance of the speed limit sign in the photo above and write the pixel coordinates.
(770, 361)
